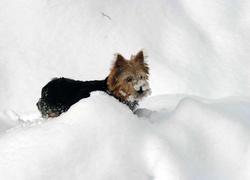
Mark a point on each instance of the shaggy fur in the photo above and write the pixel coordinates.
(61, 93)
(128, 79)
(127, 82)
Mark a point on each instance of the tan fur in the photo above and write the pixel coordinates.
(125, 75)
(52, 115)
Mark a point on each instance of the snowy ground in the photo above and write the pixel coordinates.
(195, 125)
(176, 137)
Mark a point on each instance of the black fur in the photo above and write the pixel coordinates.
(61, 93)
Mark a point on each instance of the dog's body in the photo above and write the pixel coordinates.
(61, 93)
(127, 82)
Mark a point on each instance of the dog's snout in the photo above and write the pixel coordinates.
(140, 90)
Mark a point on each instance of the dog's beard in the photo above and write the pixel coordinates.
(138, 91)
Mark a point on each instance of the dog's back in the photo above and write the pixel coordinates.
(61, 93)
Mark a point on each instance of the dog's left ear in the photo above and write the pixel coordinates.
(139, 57)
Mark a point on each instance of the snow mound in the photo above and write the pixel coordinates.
(100, 138)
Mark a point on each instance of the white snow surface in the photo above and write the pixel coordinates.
(195, 124)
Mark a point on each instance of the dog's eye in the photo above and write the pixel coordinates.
(141, 77)
(129, 79)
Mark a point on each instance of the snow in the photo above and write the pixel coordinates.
(195, 124)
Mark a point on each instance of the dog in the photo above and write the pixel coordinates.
(127, 82)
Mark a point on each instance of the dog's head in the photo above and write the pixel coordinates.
(128, 79)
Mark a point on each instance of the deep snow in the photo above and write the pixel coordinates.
(195, 125)
(175, 137)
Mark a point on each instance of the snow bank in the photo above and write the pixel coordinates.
(179, 138)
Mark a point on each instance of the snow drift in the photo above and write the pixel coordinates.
(187, 138)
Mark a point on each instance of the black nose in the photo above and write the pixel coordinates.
(140, 90)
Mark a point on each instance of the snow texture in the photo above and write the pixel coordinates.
(195, 124)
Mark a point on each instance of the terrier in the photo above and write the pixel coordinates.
(127, 82)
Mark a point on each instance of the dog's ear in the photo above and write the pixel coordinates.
(139, 57)
(120, 61)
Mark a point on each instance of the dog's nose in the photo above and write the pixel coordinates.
(140, 90)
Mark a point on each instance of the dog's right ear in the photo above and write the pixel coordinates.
(120, 61)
